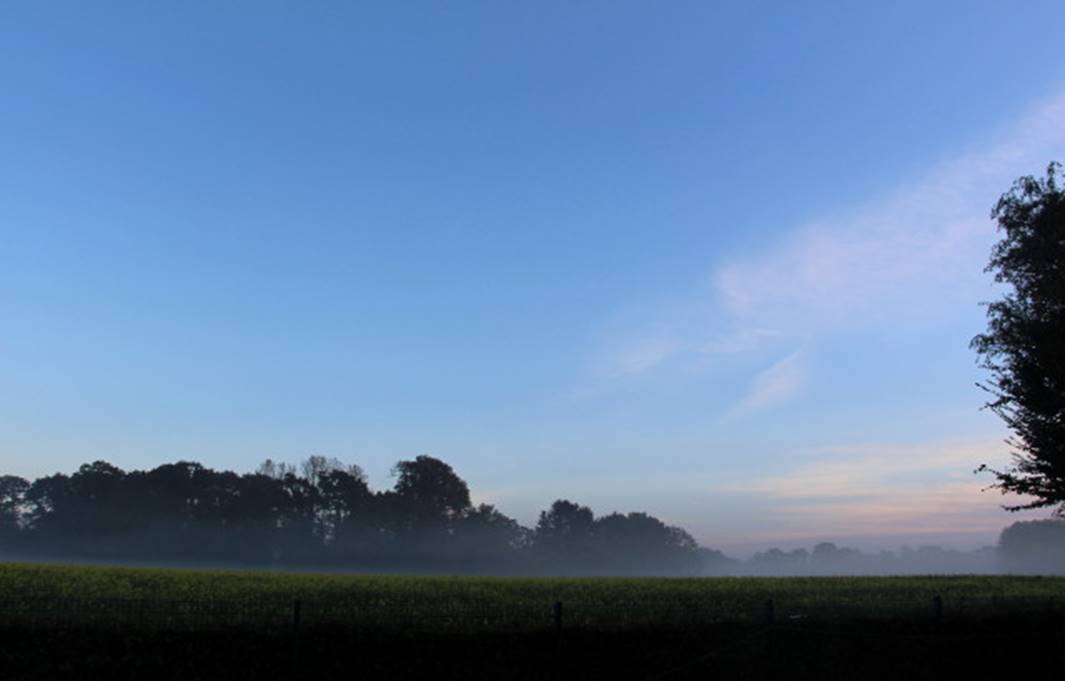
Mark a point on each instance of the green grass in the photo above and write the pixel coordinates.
(190, 598)
(134, 623)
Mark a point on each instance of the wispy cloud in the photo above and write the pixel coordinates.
(911, 256)
(878, 489)
(859, 469)
(778, 383)
(639, 357)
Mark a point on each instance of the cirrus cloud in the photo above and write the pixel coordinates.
(911, 256)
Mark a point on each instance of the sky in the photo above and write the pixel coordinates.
(719, 262)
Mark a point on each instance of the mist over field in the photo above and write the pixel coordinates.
(323, 516)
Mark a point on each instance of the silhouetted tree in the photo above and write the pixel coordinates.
(345, 500)
(484, 536)
(49, 511)
(275, 469)
(433, 486)
(12, 497)
(716, 563)
(776, 562)
(319, 512)
(427, 497)
(638, 542)
(1036, 546)
(827, 558)
(565, 530)
(100, 508)
(1024, 347)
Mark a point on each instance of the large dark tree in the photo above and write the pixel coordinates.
(638, 542)
(1024, 346)
(432, 489)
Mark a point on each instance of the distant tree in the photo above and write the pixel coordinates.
(485, 535)
(170, 493)
(275, 469)
(639, 543)
(298, 516)
(12, 497)
(1024, 346)
(566, 529)
(777, 562)
(1036, 546)
(316, 466)
(420, 512)
(825, 551)
(48, 506)
(827, 558)
(268, 468)
(97, 491)
(345, 500)
(432, 487)
(321, 512)
(714, 562)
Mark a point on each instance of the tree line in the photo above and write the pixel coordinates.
(322, 513)
(1024, 547)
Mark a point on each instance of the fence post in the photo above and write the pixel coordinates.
(937, 607)
(770, 611)
(557, 611)
(296, 608)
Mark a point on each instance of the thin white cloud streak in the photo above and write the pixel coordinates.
(911, 257)
(778, 383)
(646, 355)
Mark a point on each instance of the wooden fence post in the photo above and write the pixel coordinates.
(770, 611)
(937, 607)
(296, 608)
(557, 611)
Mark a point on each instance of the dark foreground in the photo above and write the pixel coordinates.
(120, 623)
(1030, 645)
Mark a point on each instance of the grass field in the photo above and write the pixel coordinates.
(132, 623)
(199, 599)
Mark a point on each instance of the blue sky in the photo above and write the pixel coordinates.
(716, 261)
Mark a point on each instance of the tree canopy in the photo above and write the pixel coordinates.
(321, 512)
(1024, 346)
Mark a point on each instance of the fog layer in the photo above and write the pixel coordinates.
(323, 515)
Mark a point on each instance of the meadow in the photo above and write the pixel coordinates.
(48, 595)
(136, 623)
